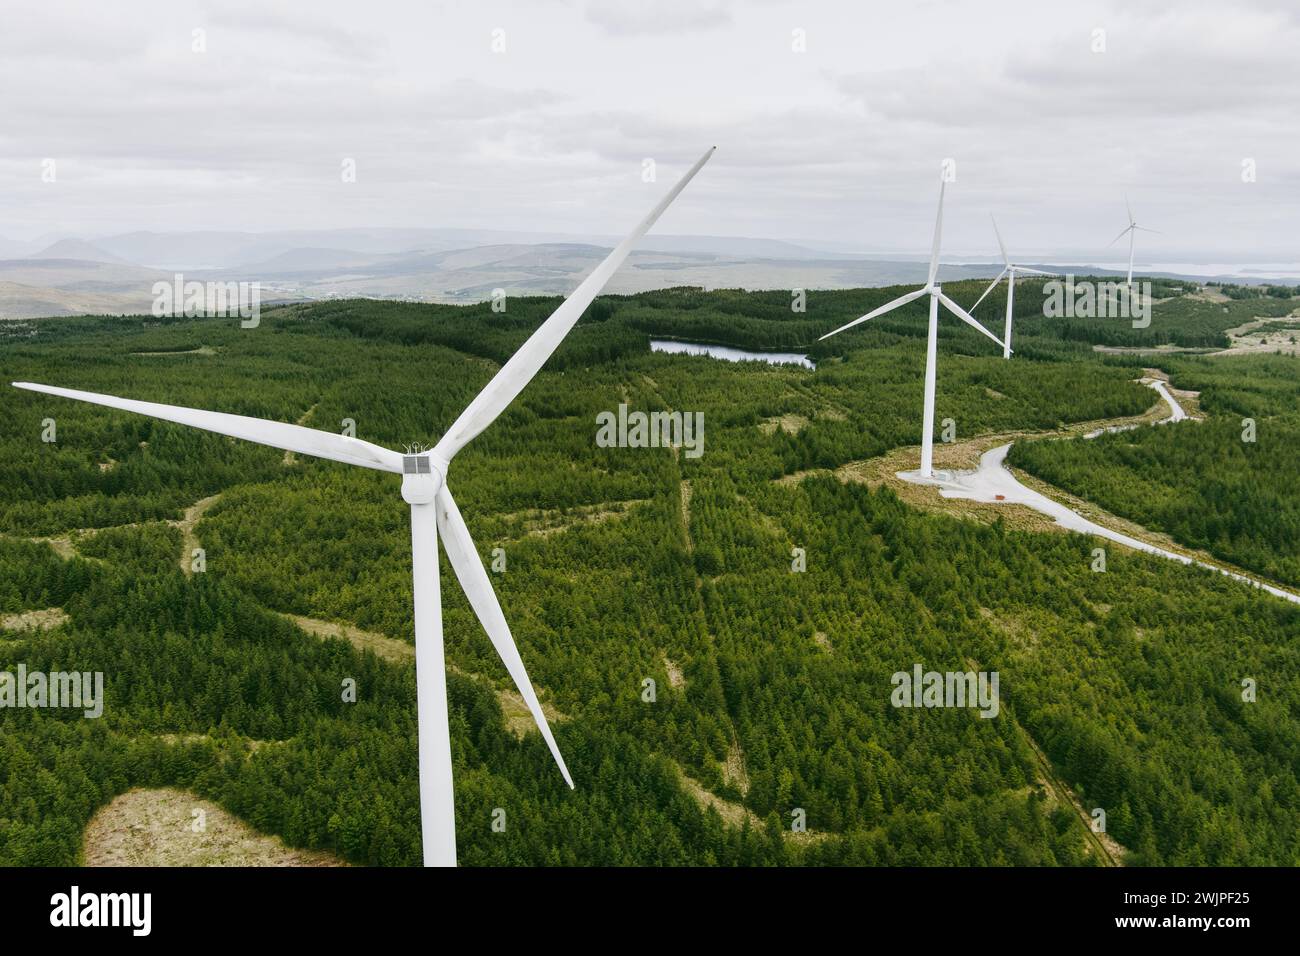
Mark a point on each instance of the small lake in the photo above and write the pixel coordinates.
(729, 354)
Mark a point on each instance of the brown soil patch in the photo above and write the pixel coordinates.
(734, 772)
(44, 619)
(62, 546)
(733, 814)
(388, 648)
(519, 719)
(201, 350)
(188, 539)
(686, 514)
(790, 424)
(155, 828)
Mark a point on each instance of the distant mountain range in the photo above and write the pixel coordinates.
(78, 249)
(308, 249)
(115, 274)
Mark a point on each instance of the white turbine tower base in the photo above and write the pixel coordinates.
(937, 298)
(433, 513)
(1009, 270)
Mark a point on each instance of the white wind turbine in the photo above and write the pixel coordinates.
(935, 292)
(1009, 271)
(1131, 230)
(433, 509)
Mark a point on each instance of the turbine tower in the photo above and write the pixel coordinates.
(935, 292)
(433, 510)
(1009, 271)
(1131, 230)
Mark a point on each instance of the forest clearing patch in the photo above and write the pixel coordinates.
(1259, 336)
(388, 648)
(250, 744)
(733, 814)
(1017, 627)
(686, 514)
(201, 350)
(188, 539)
(62, 545)
(733, 770)
(156, 828)
(789, 423)
(518, 718)
(544, 522)
(41, 619)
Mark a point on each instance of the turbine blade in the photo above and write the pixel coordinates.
(1145, 229)
(1001, 244)
(938, 236)
(1124, 233)
(966, 317)
(1037, 272)
(887, 307)
(474, 580)
(1129, 210)
(532, 355)
(296, 438)
(988, 290)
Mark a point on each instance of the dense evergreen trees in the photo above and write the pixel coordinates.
(1129, 681)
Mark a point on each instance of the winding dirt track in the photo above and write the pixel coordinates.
(994, 483)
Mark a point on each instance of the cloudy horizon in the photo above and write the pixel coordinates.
(837, 145)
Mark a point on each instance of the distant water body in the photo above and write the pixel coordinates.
(729, 354)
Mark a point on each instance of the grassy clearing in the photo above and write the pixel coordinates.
(168, 827)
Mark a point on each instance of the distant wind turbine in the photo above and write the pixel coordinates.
(1131, 229)
(935, 292)
(433, 509)
(1010, 272)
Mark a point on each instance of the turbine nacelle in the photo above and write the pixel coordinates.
(422, 479)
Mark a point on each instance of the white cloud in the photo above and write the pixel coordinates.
(657, 17)
(838, 143)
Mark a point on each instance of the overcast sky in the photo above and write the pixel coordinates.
(839, 143)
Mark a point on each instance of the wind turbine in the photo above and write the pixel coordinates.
(1131, 229)
(1010, 272)
(433, 509)
(935, 292)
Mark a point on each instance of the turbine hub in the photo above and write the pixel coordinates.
(421, 479)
